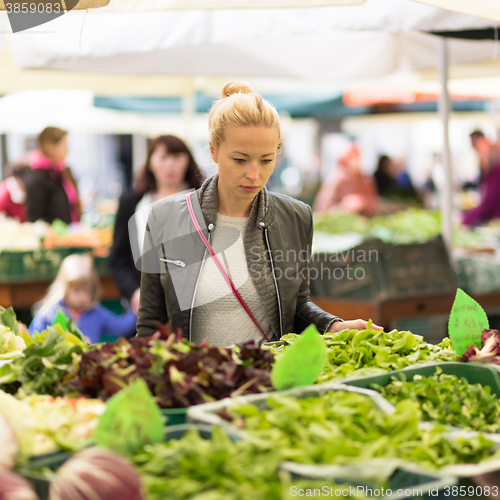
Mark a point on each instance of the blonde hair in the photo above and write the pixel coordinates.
(76, 270)
(240, 106)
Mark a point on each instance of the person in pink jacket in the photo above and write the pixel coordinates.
(347, 189)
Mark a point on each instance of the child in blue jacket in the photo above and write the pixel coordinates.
(76, 292)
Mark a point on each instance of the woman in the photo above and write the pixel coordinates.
(51, 191)
(169, 168)
(348, 189)
(243, 224)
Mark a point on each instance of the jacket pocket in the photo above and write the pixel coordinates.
(177, 262)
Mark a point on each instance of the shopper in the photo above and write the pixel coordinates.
(170, 167)
(51, 191)
(76, 292)
(244, 225)
(13, 193)
(347, 189)
(489, 184)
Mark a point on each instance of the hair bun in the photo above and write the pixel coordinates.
(235, 88)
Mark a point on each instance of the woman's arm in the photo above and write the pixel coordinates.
(123, 270)
(122, 325)
(152, 305)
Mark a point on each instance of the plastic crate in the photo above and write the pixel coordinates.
(175, 416)
(479, 274)
(30, 265)
(383, 271)
(433, 328)
(474, 373)
(208, 413)
(416, 270)
(353, 273)
(43, 264)
(39, 481)
(414, 484)
(205, 431)
(102, 266)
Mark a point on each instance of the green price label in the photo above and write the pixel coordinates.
(467, 321)
(132, 419)
(301, 363)
(61, 319)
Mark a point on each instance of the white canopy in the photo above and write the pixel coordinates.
(377, 38)
(489, 9)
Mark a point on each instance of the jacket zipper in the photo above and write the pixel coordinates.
(196, 288)
(275, 281)
(176, 262)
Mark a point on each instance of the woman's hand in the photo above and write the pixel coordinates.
(355, 324)
(134, 301)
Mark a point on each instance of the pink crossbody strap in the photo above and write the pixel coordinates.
(220, 266)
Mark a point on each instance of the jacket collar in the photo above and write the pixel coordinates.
(261, 213)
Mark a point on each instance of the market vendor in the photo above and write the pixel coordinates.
(489, 184)
(240, 294)
(51, 189)
(169, 168)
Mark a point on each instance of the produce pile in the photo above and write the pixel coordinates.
(178, 373)
(447, 399)
(17, 236)
(218, 469)
(43, 424)
(12, 341)
(346, 428)
(360, 353)
(414, 225)
(46, 363)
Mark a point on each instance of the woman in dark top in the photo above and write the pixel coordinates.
(170, 167)
(51, 191)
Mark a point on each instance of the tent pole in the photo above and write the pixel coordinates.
(444, 113)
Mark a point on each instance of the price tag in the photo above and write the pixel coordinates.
(132, 419)
(61, 319)
(467, 321)
(301, 363)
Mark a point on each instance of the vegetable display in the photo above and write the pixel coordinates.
(346, 428)
(358, 353)
(45, 363)
(179, 374)
(43, 424)
(12, 344)
(218, 469)
(447, 399)
(413, 225)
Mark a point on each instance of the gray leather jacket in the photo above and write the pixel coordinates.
(277, 245)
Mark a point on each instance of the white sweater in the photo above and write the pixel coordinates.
(217, 314)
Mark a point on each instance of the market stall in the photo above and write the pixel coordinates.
(391, 418)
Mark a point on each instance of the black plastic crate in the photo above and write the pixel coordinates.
(383, 271)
